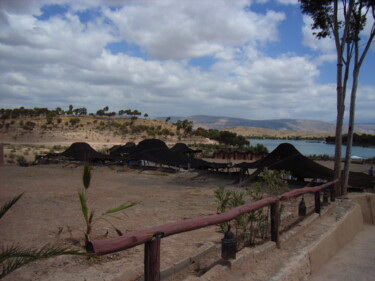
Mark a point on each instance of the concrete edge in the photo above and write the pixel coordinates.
(367, 203)
(332, 241)
(311, 258)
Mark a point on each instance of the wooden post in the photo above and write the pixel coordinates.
(1, 154)
(275, 222)
(317, 202)
(152, 259)
(332, 193)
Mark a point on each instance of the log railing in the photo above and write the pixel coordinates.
(151, 237)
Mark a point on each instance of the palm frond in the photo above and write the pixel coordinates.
(86, 178)
(91, 216)
(9, 204)
(119, 208)
(82, 199)
(13, 257)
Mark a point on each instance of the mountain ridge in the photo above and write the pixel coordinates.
(306, 125)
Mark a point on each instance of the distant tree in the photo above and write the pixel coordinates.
(59, 111)
(49, 116)
(102, 112)
(82, 111)
(70, 110)
(167, 119)
(145, 115)
(185, 125)
(201, 132)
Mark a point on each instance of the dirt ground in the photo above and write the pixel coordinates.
(49, 213)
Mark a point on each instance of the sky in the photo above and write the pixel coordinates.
(237, 58)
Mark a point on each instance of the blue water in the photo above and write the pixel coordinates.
(310, 148)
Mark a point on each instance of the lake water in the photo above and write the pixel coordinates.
(310, 148)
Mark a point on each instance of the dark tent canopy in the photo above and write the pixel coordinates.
(183, 148)
(157, 151)
(121, 150)
(287, 157)
(81, 151)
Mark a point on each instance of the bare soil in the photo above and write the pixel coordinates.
(49, 212)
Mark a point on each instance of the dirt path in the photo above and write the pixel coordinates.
(354, 262)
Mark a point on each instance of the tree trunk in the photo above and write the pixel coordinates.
(339, 123)
(349, 142)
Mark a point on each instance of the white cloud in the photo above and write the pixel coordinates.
(325, 45)
(62, 61)
(178, 29)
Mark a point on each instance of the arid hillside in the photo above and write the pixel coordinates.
(92, 129)
(114, 130)
(267, 133)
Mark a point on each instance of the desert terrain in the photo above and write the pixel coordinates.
(49, 211)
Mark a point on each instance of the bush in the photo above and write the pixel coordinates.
(21, 161)
(29, 126)
(254, 225)
(74, 121)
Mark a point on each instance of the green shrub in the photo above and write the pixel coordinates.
(250, 227)
(74, 121)
(21, 161)
(28, 126)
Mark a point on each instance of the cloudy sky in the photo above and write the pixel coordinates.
(237, 58)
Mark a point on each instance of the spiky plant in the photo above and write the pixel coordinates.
(88, 214)
(7, 205)
(13, 257)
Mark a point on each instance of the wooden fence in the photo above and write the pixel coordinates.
(151, 237)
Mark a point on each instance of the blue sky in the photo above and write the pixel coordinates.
(246, 59)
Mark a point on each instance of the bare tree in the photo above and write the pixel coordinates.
(345, 29)
(361, 10)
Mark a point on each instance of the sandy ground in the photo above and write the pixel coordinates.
(49, 213)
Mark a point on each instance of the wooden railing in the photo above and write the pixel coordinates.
(151, 237)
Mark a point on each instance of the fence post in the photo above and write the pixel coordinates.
(275, 222)
(317, 202)
(152, 259)
(332, 193)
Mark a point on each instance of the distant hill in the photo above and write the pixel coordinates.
(307, 126)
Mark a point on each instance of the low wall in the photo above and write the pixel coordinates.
(367, 203)
(342, 233)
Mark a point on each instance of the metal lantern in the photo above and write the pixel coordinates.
(228, 245)
(302, 208)
(325, 197)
